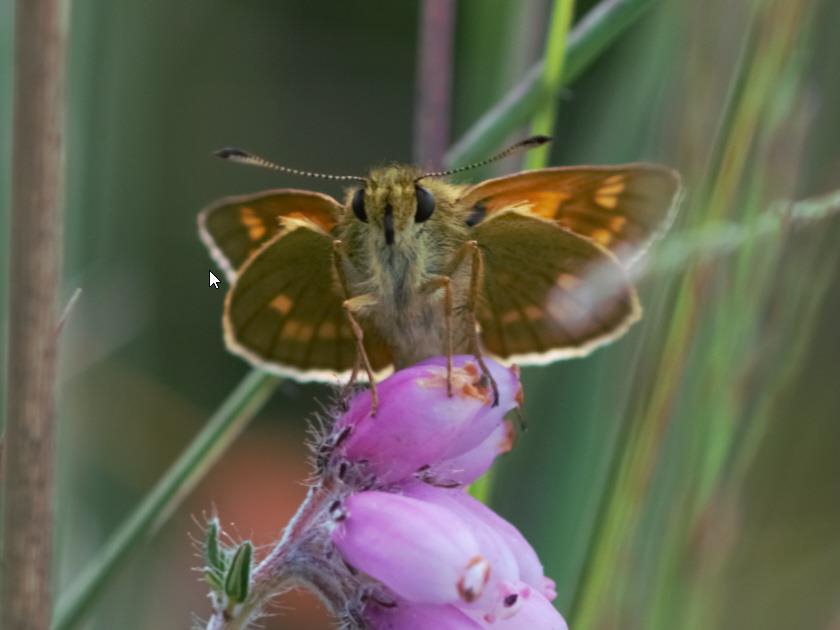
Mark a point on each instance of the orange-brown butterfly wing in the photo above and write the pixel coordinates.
(234, 228)
(547, 293)
(284, 312)
(620, 207)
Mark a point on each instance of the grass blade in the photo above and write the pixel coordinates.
(589, 39)
(552, 78)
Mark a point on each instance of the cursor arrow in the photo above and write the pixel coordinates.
(214, 281)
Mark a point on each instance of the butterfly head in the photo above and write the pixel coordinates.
(394, 205)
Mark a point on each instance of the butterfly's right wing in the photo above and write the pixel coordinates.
(548, 293)
(234, 228)
(284, 312)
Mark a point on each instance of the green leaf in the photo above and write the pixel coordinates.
(214, 556)
(212, 553)
(238, 577)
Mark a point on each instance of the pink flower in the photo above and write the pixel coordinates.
(389, 535)
(441, 558)
(418, 427)
(420, 551)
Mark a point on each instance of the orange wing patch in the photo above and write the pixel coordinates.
(253, 223)
(608, 194)
(234, 228)
(620, 207)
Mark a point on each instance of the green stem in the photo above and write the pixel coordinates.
(543, 123)
(204, 450)
(590, 38)
(552, 78)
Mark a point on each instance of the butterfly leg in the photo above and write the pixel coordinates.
(351, 307)
(444, 282)
(476, 272)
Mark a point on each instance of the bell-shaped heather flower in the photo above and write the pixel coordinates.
(418, 425)
(439, 547)
(420, 551)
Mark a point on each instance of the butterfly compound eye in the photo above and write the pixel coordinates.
(425, 204)
(358, 205)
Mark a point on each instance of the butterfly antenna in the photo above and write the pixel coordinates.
(526, 144)
(243, 157)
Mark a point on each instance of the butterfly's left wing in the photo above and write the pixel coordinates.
(234, 228)
(284, 313)
(620, 207)
(547, 293)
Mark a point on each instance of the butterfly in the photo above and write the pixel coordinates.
(529, 268)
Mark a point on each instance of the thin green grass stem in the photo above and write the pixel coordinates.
(543, 123)
(595, 32)
(552, 78)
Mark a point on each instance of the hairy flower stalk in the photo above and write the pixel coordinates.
(388, 536)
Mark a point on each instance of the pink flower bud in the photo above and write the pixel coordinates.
(469, 466)
(418, 425)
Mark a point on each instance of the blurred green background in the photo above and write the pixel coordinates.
(687, 476)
